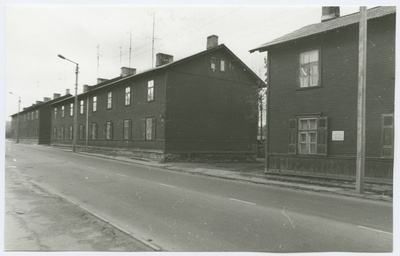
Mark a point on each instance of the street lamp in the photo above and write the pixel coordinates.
(19, 105)
(75, 104)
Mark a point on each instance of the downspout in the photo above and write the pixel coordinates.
(267, 92)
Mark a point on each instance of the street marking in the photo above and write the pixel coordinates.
(121, 175)
(376, 230)
(166, 185)
(237, 200)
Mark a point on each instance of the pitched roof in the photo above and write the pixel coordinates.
(327, 26)
(169, 65)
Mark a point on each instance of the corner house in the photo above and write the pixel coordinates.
(313, 81)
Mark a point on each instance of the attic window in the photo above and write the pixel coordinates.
(213, 63)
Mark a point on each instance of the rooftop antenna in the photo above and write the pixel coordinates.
(98, 60)
(130, 47)
(152, 43)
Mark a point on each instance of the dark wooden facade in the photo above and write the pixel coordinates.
(202, 108)
(328, 145)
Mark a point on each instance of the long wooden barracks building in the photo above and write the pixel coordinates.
(200, 107)
(313, 81)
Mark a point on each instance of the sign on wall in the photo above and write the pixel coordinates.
(337, 135)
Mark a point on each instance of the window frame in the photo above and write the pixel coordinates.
(308, 64)
(81, 131)
(150, 91)
(71, 132)
(94, 104)
(94, 131)
(127, 96)
(385, 147)
(109, 130)
(150, 133)
(55, 113)
(71, 109)
(81, 107)
(222, 65)
(308, 135)
(62, 111)
(127, 130)
(109, 100)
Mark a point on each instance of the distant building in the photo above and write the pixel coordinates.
(197, 108)
(313, 81)
(34, 124)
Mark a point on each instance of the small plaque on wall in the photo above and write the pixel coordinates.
(337, 135)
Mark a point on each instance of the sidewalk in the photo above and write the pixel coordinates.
(254, 172)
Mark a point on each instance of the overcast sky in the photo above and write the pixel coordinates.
(98, 38)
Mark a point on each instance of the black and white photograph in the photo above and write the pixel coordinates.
(199, 128)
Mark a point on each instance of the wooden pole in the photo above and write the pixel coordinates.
(267, 91)
(362, 63)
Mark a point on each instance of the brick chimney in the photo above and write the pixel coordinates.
(212, 41)
(100, 80)
(162, 59)
(56, 95)
(127, 71)
(67, 91)
(85, 88)
(330, 13)
(46, 99)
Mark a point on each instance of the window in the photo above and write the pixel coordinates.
(81, 106)
(81, 131)
(71, 109)
(71, 132)
(150, 90)
(109, 100)
(213, 63)
(55, 113)
(94, 131)
(54, 132)
(37, 114)
(29, 115)
(387, 135)
(62, 112)
(150, 128)
(62, 132)
(126, 135)
(94, 103)
(308, 135)
(109, 130)
(222, 66)
(309, 69)
(127, 96)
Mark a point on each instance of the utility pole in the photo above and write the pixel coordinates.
(266, 61)
(120, 56)
(362, 63)
(130, 47)
(98, 60)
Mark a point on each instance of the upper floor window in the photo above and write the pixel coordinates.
(62, 111)
(109, 100)
(127, 96)
(71, 109)
(213, 63)
(55, 113)
(150, 90)
(37, 114)
(29, 115)
(309, 69)
(222, 65)
(81, 106)
(94, 103)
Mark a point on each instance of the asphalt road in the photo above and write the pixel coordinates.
(181, 212)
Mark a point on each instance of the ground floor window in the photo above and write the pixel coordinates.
(62, 132)
(81, 131)
(387, 135)
(308, 135)
(54, 132)
(126, 135)
(150, 128)
(109, 130)
(71, 132)
(94, 131)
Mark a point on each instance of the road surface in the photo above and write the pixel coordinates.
(181, 212)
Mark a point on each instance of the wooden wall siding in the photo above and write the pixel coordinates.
(137, 111)
(331, 166)
(337, 96)
(209, 113)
